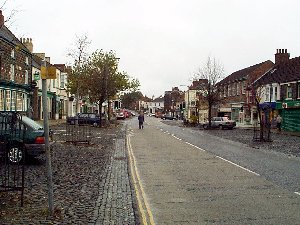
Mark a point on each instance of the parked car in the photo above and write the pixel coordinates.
(168, 117)
(27, 135)
(221, 123)
(85, 118)
(120, 116)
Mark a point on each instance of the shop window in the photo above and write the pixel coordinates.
(8, 100)
(20, 101)
(2, 99)
(13, 101)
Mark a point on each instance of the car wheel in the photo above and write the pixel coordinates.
(205, 126)
(220, 127)
(15, 154)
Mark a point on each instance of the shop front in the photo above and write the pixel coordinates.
(290, 113)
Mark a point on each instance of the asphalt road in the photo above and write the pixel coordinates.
(185, 176)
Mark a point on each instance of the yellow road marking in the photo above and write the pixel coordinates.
(141, 198)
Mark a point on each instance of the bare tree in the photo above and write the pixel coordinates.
(79, 56)
(9, 20)
(211, 73)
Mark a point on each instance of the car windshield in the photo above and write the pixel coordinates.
(31, 123)
(225, 118)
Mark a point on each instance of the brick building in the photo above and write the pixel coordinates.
(281, 90)
(15, 72)
(236, 97)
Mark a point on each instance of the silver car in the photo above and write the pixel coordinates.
(221, 123)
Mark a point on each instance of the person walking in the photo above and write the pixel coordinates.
(141, 120)
(278, 121)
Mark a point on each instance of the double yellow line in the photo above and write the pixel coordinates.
(144, 209)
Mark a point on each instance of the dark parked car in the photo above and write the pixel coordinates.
(221, 123)
(168, 117)
(25, 134)
(85, 118)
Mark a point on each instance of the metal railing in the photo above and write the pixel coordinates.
(78, 130)
(12, 154)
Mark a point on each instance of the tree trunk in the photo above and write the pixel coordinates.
(209, 114)
(100, 113)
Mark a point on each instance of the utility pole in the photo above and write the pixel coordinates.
(46, 133)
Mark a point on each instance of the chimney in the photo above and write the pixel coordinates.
(281, 56)
(28, 43)
(1, 19)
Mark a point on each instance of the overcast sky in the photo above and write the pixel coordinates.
(162, 43)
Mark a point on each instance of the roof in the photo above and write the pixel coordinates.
(242, 74)
(282, 73)
(159, 99)
(9, 37)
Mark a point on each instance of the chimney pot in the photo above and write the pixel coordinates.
(1, 19)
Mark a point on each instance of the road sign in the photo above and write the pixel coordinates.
(48, 72)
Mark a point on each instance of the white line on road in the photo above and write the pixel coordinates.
(195, 146)
(238, 165)
(176, 137)
(297, 193)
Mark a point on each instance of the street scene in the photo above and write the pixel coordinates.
(149, 112)
(167, 173)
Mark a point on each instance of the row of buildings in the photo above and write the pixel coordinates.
(272, 88)
(20, 79)
(21, 83)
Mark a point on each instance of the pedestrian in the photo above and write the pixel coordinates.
(141, 120)
(279, 121)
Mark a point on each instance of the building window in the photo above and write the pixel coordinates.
(275, 93)
(244, 88)
(12, 72)
(234, 89)
(12, 54)
(289, 92)
(26, 60)
(62, 81)
(238, 89)
(229, 90)
(267, 94)
(2, 99)
(26, 76)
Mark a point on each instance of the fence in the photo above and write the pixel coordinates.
(78, 130)
(12, 154)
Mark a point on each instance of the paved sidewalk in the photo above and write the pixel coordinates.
(115, 201)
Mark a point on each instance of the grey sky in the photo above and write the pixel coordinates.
(163, 42)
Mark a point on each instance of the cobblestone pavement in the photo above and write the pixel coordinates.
(115, 203)
(91, 183)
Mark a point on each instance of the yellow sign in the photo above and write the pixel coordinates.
(48, 72)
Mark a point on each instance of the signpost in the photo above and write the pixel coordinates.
(47, 73)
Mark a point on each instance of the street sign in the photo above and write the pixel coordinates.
(48, 72)
(36, 76)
